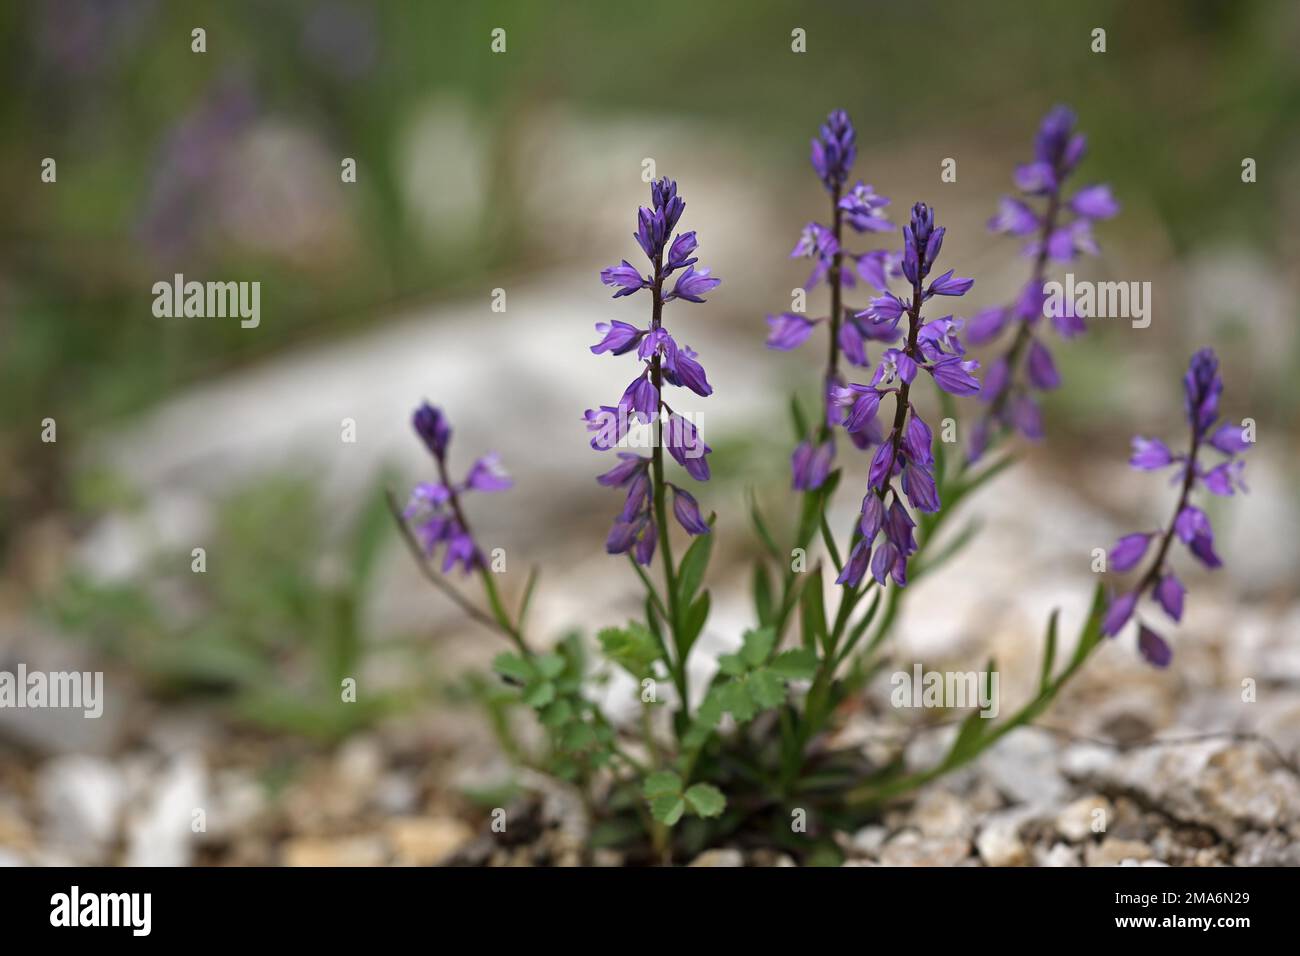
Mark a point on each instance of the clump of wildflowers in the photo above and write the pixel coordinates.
(1060, 232)
(862, 210)
(905, 451)
(434, 510)
(639, 525)
(1189, 525)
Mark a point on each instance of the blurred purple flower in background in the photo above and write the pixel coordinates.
(434, 510)
(861, 208)
(1202, 387)
(1061, 232)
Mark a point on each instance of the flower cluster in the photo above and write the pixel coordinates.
(434, 509)
(862, 209)
(906, 450)
(1202, 387)
(663, 360)
(1059, 233)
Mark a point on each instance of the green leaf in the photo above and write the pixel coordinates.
(539, 693)
(733, 665)
(828, 538)
(799, 664)
(527, 599)
(706, 719)
(550, 666)
(668, 809)
(557, 713)
(691, 571)
(760, 527)
(766, 688)
(1049, 651)
(660, 783)
(813, 608)
(705, 800)
(798, 419)
(579, 737)
(968, 737)
(514, 667)
(757, 645)
(762, 588)
(737, 701)
(633, 648)
(693, 623)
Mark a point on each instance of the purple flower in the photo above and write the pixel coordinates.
(432, 426)
(629, 467)
(692, 284)
(640, 399)
(487, 474)
(434, 509)
(624, 277)
(834, 150)
(1128, 551)
(1169, 592)
(1095, 202)
(679, 253)
(946, 284)
(811, 464)
(953, 375)
(618, 337)
(1042, 370)
(1118, 613)
(1153, 647)
(1059, 233)
(687, 512)
(1202, 388)
(1014, 218)
(663, 361)
(789, 330)
(1150, 454)
(815, 240)
(861, 209)
(687, 448)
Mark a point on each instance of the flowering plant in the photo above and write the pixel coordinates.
(749, 753)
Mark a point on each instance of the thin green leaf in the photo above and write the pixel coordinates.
(691, 571)
(1049, 651)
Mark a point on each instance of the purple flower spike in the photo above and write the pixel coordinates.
(1202, 388)
(834, 150)
(663, 363)
(434, 511)
(1058, 230)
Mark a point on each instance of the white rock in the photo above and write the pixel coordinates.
(81, 798)
(726, 857)
(160, 828)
